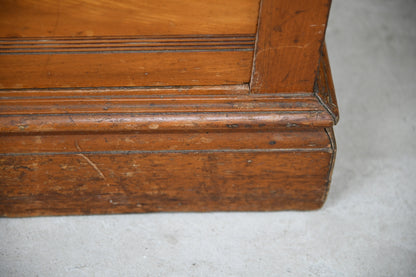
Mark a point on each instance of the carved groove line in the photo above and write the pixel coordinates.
(200, 151)
(146, 44)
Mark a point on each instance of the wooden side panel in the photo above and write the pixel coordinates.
(290, 35)
(46, 18)
(179, 172)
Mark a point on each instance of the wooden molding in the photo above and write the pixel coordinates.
(127, 44)
(167, 108)
(155, 114)
(324, 86)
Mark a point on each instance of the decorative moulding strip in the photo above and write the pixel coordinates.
(157, 122)
(140, 44)
(157, 104)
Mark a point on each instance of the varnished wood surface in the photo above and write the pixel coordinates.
(283, 139)
(164, 109)
(70, 170)
(261, 175)
(174, 108)
(289, 39)
(80, 18)
(324, 87)
(159, 104)
(124, 43)
(165, 122)
(125, 69)
(160, 113)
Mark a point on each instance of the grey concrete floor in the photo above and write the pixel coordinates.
(366, 228)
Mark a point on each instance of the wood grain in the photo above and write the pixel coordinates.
(283, 139)
(149, 106)
(107, 43)
(56, 113)
(124, 69)
(30, 102)
(77, 18)
(197, 177)
(289, 38)
(324, 87)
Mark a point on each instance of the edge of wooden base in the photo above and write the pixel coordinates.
(201, 172)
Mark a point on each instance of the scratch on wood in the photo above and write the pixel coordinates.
(93, 165)
(90, 162)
